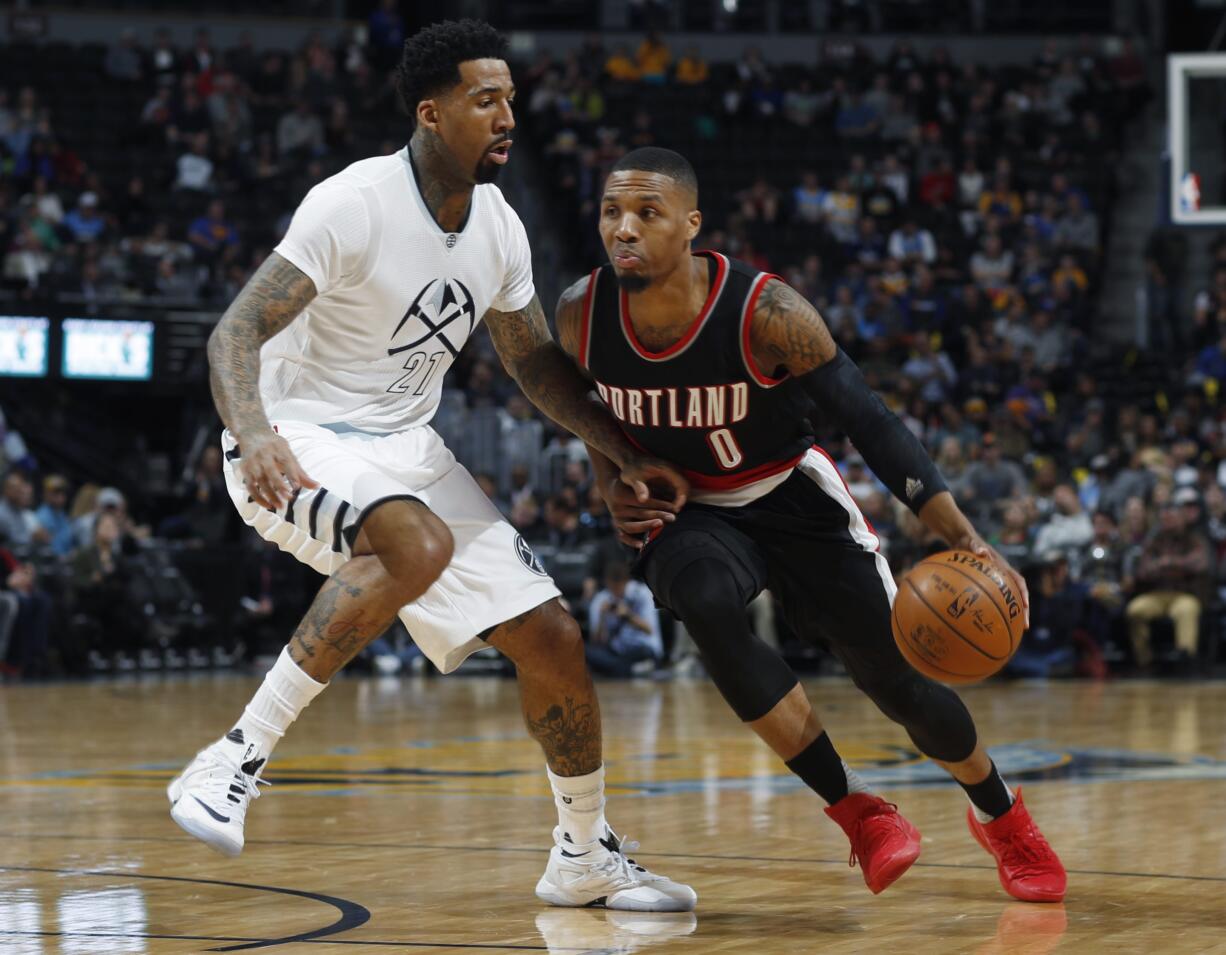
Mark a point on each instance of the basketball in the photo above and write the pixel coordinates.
(957, 618)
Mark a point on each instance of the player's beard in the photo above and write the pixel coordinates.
(487, 170)
(633, 283)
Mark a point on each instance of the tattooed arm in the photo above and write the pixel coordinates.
(274, 297)
(788, 336)
(553, 382)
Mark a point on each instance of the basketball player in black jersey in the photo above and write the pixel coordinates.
(721, 370)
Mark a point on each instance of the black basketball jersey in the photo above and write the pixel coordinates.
(701, 404)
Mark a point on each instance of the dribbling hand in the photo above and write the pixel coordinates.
(270, 471)
(976, 546)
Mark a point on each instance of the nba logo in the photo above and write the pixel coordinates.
(1189, 192)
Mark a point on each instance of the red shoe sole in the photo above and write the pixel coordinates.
(972, 824)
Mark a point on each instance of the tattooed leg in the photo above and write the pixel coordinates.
(401, 550)
(354, 606)
(556, 693)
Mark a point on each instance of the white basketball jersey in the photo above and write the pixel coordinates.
(397, 297)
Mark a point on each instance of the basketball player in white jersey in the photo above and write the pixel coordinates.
(327, 369)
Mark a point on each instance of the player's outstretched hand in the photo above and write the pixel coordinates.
(976, 546)
(270, 471)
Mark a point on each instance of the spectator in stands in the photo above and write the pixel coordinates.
(856, 119)
(1001, 201)
(52, 515)
(1070, 275)
(1211, 361)
(807, 199)
(229, 113)
(20, 529)
(652, 59)
(619, 67)
(386, 32)
(1173, 577)
(43, 202)
(123, 60)
(525, 517)
(760, 202)
(300, 132)
(931, 370)
(13, 450)
(912, 245)
(1014, 540)
(211, 232)
(84, 223)
(971, 182)
(751, 69)
(1077, 229)
(1069, 529)
(1057, 612)
(31, 631)
(562, 526)
(194, 169)
(992, 266)
(993, 480)
(802, 105)
(692, 69)
(623, 627)
(101, 575)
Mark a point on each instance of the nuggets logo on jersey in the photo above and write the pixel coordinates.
(443, 310)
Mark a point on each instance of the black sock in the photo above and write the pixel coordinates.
(990, 796)
(821, 769)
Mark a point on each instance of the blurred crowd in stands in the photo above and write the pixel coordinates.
(946, 217)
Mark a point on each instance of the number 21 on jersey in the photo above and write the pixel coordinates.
(419, 369)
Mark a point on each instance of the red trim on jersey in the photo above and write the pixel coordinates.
(766, 381)
(585, 331)
(721, 273)
(728, 482)
(867, 522)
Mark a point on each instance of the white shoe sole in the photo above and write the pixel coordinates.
(546, 891)
(190, 823)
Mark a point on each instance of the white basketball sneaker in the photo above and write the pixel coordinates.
(599, 874)
(209, 799)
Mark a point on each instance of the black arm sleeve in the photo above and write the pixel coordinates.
(889, 448)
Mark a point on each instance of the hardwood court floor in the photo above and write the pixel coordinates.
(413, 816)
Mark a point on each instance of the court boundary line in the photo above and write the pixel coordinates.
(352, 914)
(385, 943)
(427, 847)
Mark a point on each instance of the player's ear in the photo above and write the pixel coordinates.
(694, 225)
(427, 114)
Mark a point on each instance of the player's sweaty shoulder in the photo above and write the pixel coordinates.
(568, 317)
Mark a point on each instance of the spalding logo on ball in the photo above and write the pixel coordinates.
(957, 618)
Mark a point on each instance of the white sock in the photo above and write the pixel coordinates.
(580, 802)
(285, 693)
(854, 783)
(982, 816)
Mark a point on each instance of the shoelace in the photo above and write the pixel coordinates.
(1025, 850)
(880, 809)
(218, 785)
(617, 863)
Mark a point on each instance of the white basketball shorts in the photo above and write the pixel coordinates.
(493, 575)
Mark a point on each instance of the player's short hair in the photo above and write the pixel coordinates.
(430, 62)
(666, 162)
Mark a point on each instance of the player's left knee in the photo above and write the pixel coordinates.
(546, 637)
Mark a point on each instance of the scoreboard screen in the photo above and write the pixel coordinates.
(98, 348)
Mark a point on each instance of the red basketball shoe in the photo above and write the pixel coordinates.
(881, 839)
(1028, 867)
